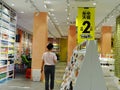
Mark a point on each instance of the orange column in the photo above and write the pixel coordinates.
(71, 40)
(40, 38)
(106, 40)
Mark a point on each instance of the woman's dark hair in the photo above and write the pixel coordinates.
(50, 46)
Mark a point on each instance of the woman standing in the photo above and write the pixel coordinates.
(49, 60)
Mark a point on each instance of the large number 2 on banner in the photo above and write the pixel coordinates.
(87, 27)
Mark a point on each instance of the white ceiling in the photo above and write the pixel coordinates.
(62, 13)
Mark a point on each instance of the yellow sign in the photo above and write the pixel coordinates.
(85, 23)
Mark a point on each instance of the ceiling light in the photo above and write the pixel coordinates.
(68, 18)
(66, 10)
(112, 15)
(97, 29)
(52, 14)
(21, 12)
(54, 17)
(45, 6)
(12, 4)
(68, 4)
(94, 3)
(103, 23)
(67, 22)
(51, 9)
(57, 23)
(47, 2)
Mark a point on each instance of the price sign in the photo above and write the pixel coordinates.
(85, 23)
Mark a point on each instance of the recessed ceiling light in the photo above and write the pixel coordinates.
(37, 13)
(51, 9)
(12, 4)
(52, 14)
(66, 9)
(68, 4)
(97, 29)
(21, 12)
(56, 21)
(68, 18)
(45, 6)
(47, 2)
(94, 3)
(54, 17)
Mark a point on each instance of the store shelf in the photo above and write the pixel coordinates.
(7, 40)
(10, 76)
(3, 72)
(2, 80)
(10, 67)
(73, 68)
(4, 58)
(3, 66)
(3, 76)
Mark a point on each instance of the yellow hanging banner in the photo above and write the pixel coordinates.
(85, 24)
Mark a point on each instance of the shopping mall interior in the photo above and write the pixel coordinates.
(86, 39)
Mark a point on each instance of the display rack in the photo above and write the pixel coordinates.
(84, 70)
(7, 41)
(73, 67)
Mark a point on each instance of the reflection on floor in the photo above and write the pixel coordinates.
(21, 83)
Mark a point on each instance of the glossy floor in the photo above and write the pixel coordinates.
(21, 83)
(26, 84)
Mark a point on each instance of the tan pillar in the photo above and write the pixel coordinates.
(71, 40)
(40, 39)
(106, 40)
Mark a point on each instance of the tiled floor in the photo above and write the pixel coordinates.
(110, 83)
(21, 83)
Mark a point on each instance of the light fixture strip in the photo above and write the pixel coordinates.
(68, 11)
(53, 22)
(108, 15)
(33, 5)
